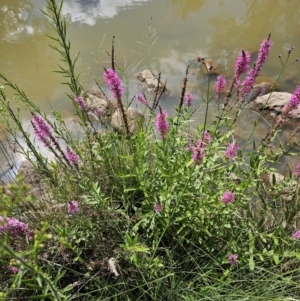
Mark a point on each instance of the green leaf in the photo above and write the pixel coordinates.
(251, 263)
(276, 258)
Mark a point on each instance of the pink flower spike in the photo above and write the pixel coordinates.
(113, 82)
(198, 151)
(72, 157)
(13, 270)
(233, 259)
(263, 53)
(141, 99)
(41, 129)
(228, 197)
(296, 235)
(231, 151)
(188, 99)
(73, 207)
(220, 85)
(241, 64)
(157, 208)
(206, 137)
(80, 101)
(296, 171)
(14, 226)
(295, 99)
(161, 123)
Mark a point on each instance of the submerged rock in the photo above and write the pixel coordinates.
(211, 66)
(266, 84)
(150, 81)
(134, 118)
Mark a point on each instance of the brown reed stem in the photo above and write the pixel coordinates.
(113, 54)
(156, 98)
(183, 89)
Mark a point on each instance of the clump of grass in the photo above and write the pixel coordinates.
(160, 213)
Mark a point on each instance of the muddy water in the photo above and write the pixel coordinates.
(161, 35)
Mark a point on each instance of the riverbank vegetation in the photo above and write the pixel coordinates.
(158, 210)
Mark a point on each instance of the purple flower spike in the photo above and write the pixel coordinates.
(188, 99)
(41, 129)
(13, 270)
(141, 99)
(296, 171)
(263, 53)
(198, 151)
(296, 235)
(241, 64)
(206, 137)
(114, 83)
(220, 85)
(233, 259)
(80, 101)
(157, 208)
(231, 151)
(228, 197)
(14, 226)
(72, 157)
(162, 125)
(295, 99)
(73, 207)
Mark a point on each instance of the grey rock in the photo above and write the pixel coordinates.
(133, 118)
(98, 109)
(211, 66)
(149, 81)
(274, 102)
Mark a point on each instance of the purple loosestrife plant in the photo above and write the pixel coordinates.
(141, 99)
(188, 100)
(228, 197)
(114, 83)
(41, 129)
(296, 235)
(241, 66)
(296, 170)
(233, 259)
(295, 99)
(206, 137)
(13, 269)
(231, 151)
(14, 226)
(220, 85)
(263, 53)
(80, 101)
(157, 208)
(72, 157)
(198, 151)
(73, 207)
(161, 123)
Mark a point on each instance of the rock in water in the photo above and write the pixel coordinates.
(133, 118)
(150, 81)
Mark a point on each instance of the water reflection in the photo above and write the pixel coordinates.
(21, 18)
(184, 8)
(88, 12)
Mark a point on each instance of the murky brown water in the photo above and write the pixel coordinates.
(181, 30)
